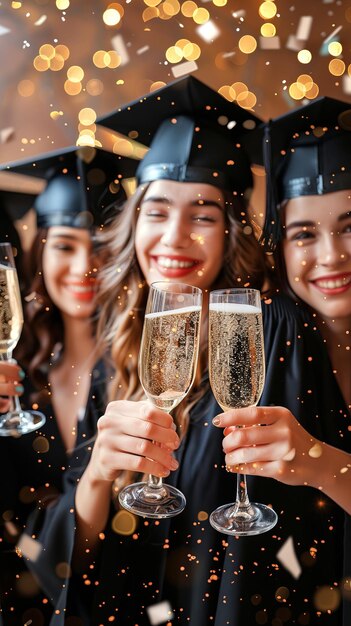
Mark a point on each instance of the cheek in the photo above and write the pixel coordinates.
(296, 262)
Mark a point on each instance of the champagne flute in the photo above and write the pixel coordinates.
(16, 422)
(167, 365)
(237, 375)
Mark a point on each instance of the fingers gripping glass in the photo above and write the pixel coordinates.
(167, 364)
(237, 375)
(18, 421)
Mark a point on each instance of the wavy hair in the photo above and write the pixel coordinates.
(123, 295)
(43, 326)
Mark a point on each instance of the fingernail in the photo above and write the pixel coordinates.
(174, 464)
(21, 374)
(19, 388)
(216, 421)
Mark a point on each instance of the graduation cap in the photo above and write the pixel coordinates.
(194, 134)
(15, 203)
(306, 152)
(83, 185)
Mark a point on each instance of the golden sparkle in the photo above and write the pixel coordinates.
(124, 523)
(304, 56)
(337, 67)
(335, 48)
(247, 44)
(267, 10)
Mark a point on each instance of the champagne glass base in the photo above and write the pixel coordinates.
(257, 520)
(154, 502)
(20, 422)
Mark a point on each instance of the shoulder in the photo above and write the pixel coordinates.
(280, 308)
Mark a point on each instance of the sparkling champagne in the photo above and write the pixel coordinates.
(11, 315)
(236, 354)
(168, 356)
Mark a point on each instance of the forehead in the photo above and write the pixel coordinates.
(190, 192)
(75, 234)
(318, 208)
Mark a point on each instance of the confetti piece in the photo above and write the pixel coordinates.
(56, 114)
(332, 35)
(4, 30)
(142, 50)
(30, 548)
(208, 31)
(6, 134)
(316, 451)
(118, 44)
(159, 613)
(240, 13)
(287, 557)
(269, 43)
(304, 27)
(294, 44)
(184, 68)
(41, 20)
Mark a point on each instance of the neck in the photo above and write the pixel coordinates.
(79, 343)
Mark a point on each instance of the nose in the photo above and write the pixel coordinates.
(81, 262)
(176, 234)
(332, 250)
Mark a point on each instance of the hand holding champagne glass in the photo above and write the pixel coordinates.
(237, 375)
(167, 365)
(16, 422)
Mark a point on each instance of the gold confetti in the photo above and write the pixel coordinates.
(316, 451)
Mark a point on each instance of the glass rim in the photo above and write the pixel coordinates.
(234, 290)
(195, 290)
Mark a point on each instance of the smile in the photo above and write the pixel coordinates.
(171, 263)
(333, 283)
(81, 288)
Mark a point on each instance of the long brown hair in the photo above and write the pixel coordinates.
(43, 326)
(123, 295)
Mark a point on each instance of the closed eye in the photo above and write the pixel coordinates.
(204, 218)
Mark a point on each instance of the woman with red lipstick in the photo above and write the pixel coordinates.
(309, 222)
(59, 353)
(187, 221)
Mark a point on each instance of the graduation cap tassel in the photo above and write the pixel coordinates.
(272, 226)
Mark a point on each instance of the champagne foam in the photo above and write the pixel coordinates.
(234, 307)
(181, 311)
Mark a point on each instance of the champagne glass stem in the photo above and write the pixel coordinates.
(154, 482)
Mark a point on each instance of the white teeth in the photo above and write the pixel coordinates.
(80, 288)
(333, 284)
(173, 263)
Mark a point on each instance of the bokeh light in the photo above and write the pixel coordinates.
(267, 10)
(304, 56)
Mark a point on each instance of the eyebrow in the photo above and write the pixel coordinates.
(63, 236)
(201, 202)
(305, 224)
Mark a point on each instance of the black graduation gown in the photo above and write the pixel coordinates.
(31, 473)
(184, 566)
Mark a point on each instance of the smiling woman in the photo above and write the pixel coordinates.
(70, 271)
(169, 211)
(318, 253)
(59, 352)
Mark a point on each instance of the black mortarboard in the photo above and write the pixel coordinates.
(83, 185)
(306, 152)
(194, 134)
(15, 203)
